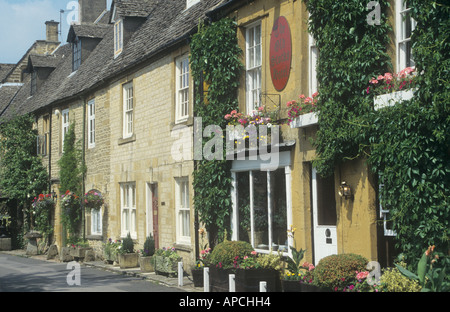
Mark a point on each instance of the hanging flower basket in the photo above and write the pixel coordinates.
(93, 200)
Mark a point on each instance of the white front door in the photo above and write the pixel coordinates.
(324, 216)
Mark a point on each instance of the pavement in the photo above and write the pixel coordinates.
(188, 284)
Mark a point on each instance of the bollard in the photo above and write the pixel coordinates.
(232, 283)
(206, 279)
(262, 286)
(180, 274)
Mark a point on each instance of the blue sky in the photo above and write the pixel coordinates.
(22, 22)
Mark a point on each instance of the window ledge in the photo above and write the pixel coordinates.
(189, 121)
(183, 246)
(127, 140)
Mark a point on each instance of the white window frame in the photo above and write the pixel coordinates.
(128, 110)
(96, 222)
(182, 89)
(256, 165)
(182, 211)
(76, 54)
(91, 123)
(128, 209)
(313, 61)
(253, 63)
(65, 123)
(404, 56)
(118, 37)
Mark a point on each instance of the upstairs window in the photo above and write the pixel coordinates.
(182, 89)
(313, 60)
(118, 37)
(91, 123)
(405, 26)
(76, 55)
(128, 110)
(253, 66)
(65, 127)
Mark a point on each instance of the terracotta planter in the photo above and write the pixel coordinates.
(197, 277)
(128, 260)
(248, 280)
(146, 264)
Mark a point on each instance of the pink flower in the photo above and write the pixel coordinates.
(361, 275)
(315, 94)
(254, 252)
(302, 96)
(227, 116)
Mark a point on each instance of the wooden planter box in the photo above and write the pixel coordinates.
(219, 280)
(297, 286)
(146, 264)
(166, 266)
(128, 260)
(248, 280)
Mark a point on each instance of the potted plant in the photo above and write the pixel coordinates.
(303, 113)
(202, 261)
(78, 249)
(127, 257)
(166, 261)
(146, 255)
(110, 250)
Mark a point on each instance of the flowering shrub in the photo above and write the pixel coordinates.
(224, 254)
(303, 106)
(42, 213)
(93, 200)
(389, 82)
(361, 284)
(246, 262)
(304, 274)
(336, 272)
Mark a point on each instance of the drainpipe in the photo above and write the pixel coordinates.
(83, 188)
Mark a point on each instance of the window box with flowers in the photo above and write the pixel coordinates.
(246, 127)
(166, 261)
(303, 113)
(389, 89)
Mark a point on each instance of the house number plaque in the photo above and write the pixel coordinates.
(280, 53)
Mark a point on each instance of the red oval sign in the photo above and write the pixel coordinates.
(280, 53)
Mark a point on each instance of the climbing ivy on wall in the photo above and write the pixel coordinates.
(216, 60)
(351, 52)
(410, 142)
(407, 146)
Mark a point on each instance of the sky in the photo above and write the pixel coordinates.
(22, 22)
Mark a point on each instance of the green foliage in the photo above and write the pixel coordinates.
(70, 163)
(351, 52)
(294, 264)
(43, 208)
(215, 61)
(127, 245)
(427, 275)
(22, 174)
(409, 143)
(149, 246)
(270, 261)
(335, 272)
(394, 281)
(224, 254)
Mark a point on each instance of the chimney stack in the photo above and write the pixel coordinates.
(90, 10)
(52, 31)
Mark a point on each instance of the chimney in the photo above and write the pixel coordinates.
(52, 31)
(90, 10)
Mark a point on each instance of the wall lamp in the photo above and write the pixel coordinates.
(345, 190)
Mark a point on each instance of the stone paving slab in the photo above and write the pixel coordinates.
(188, 284)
